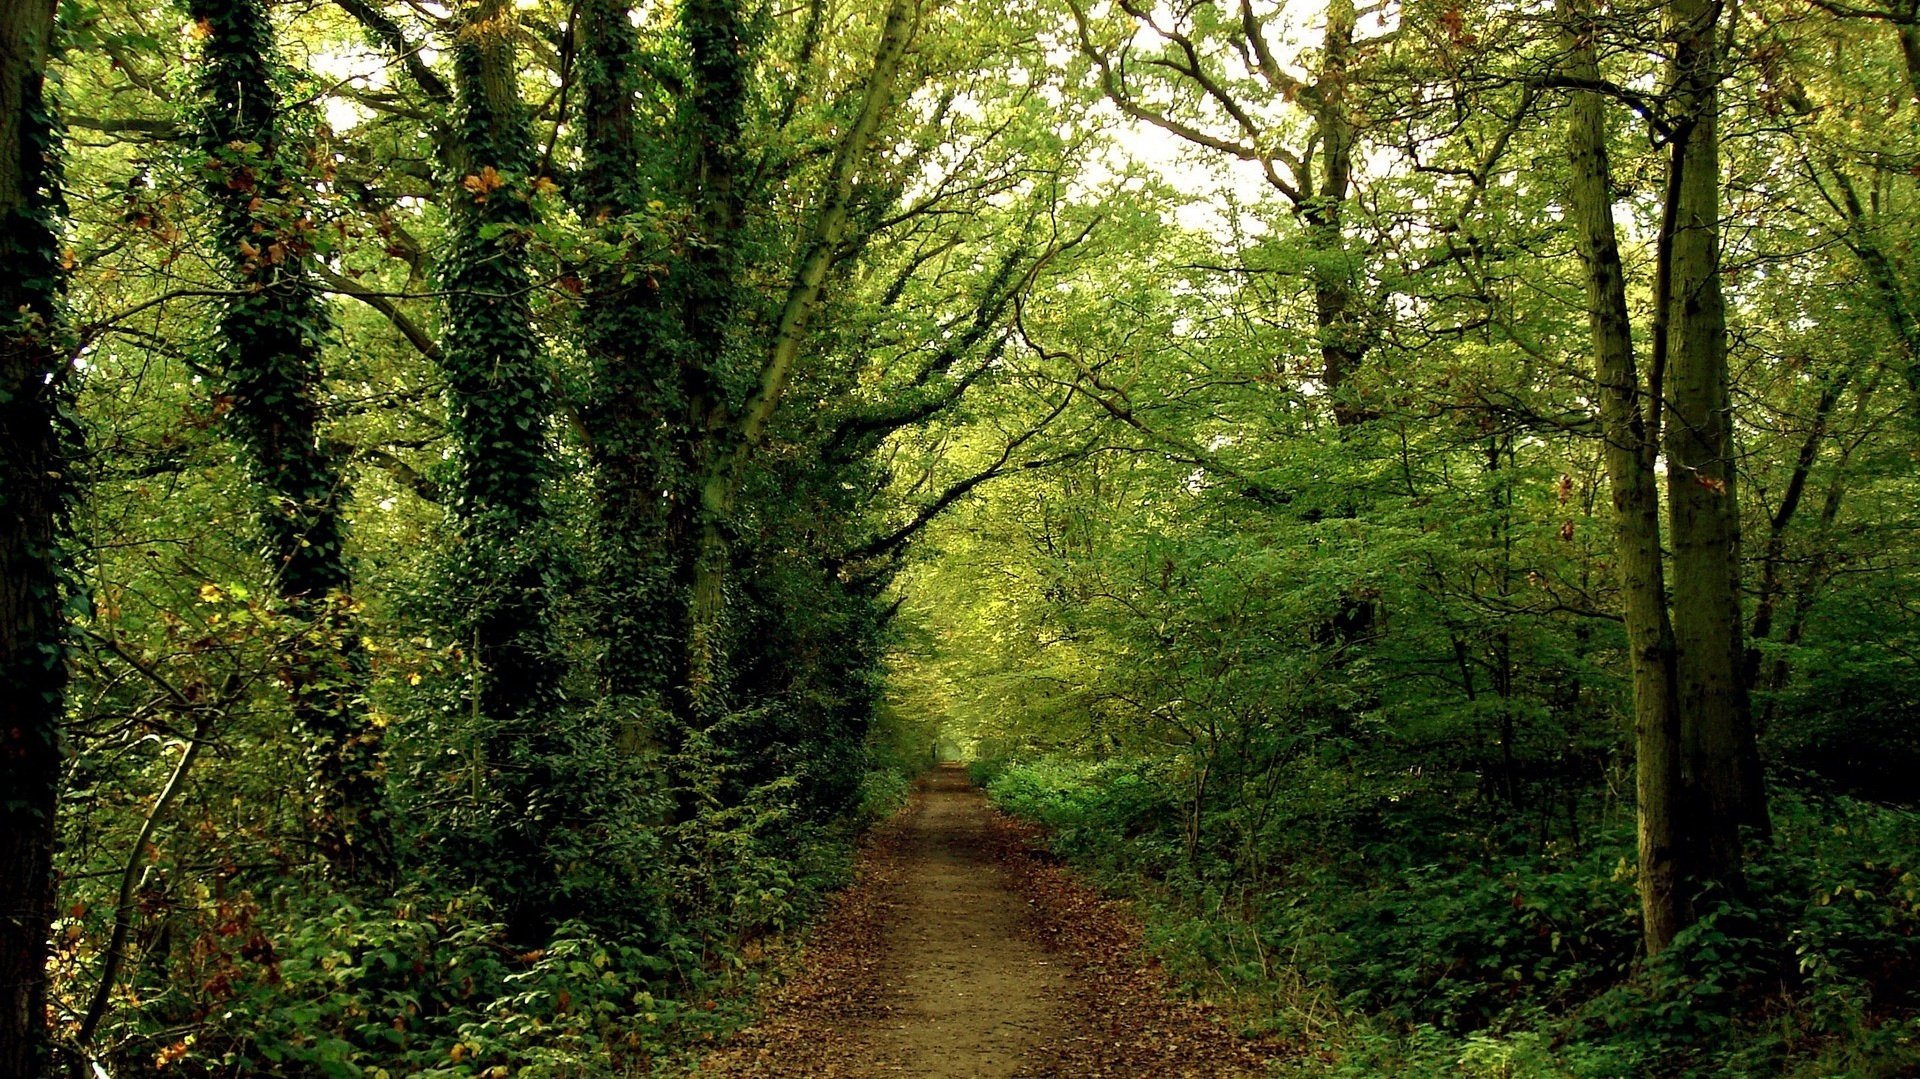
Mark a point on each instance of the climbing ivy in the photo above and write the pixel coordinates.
(37, 451)
(503, 566)
(635, 409)
(259, 172)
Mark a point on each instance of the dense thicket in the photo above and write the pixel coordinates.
(1419, 493)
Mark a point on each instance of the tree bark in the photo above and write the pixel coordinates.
(635, 402)
(33, 500)
(1630, 456)
(1719, 760)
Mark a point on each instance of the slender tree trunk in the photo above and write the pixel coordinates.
(1816, 571)
(33, 500)
(1865, 242)
(1630, 455)
(1772, 562)
(1719, 760)
(272, 331)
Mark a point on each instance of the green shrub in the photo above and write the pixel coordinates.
(1512, 956)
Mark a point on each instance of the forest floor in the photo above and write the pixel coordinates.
(962, 950)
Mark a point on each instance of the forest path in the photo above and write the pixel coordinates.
(962, 952)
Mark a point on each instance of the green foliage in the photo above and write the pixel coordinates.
(1517, 961)
(430, 986)
(349, 332)
(1327, 676)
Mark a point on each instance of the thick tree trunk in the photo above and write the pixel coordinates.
(33, 496)
(272, 332)
(1719, 760)
(498, 401)
(1630, 455)
(628, 332)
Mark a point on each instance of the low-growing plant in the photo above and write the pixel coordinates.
(1522, 961)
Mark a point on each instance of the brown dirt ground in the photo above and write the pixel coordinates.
(962, 951)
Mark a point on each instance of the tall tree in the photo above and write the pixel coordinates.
(271, 335)
(713, 114)
(742, 431)
(685, 378)
(498, 402)
(1697, 762)
(1312, 172)
(659, 304)
(33, 500)
(1719, 758)
(626, 332)
(1631, 450)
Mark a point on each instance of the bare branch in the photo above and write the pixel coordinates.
(408, 328)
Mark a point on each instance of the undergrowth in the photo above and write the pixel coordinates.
(298, 981)
(1406, 934)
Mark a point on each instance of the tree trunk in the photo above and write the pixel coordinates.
(1719, 761)
(723, 472)
(1864, 241)
(716, 114)
(33, 499)
(1773, 560)
(271, 336)
(497, 396)
(1342, 333)
(1815, 572)
(1630, 455)
(628, 333)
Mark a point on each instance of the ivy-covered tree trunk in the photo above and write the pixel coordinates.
(1630, 453)
(498, 402)
(1719, 761)
(1342, 332)
(270, 340)
(33, 499)
(635, 402)
(714, 113)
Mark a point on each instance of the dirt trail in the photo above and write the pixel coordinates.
(965, 992)
(962, 953)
